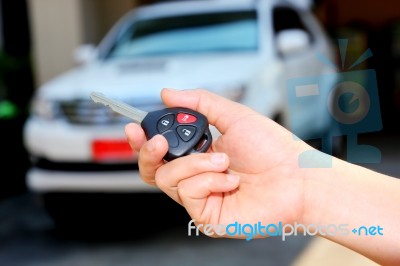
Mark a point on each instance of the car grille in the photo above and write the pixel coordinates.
(87, 112)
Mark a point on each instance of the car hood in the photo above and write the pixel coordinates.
(146, 77)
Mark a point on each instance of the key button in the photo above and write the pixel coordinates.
(172, 139)
(165, 123)
(186, 132)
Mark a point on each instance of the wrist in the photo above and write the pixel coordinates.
(354, 197)
(324, 189)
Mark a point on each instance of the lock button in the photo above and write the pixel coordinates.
(165, 123)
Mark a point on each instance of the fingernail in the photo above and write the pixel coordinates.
(218, 158)
(232, 178)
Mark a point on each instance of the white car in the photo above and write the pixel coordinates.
(243, 50)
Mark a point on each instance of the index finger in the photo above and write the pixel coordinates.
(219, 111)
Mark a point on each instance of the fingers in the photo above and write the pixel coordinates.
(135, 135)
(151, 157)
(151, 152)
(195, 192)
(219, 111)
(171, 174)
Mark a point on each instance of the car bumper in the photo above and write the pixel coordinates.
(43, 181)
(60, 141)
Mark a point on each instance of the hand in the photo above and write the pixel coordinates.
(249, 175)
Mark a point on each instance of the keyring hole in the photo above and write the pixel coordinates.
(202, 142)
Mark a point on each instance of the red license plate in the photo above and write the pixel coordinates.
(112, 151)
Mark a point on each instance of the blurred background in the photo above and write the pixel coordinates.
(38, 39)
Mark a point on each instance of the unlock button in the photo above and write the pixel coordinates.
(186, 132)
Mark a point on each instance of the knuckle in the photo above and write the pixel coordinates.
(141, 164)
(182, 190)
(209, 180)
(200, 91)
(160, 181)
(148, 179)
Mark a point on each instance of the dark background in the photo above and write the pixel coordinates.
(16, 87)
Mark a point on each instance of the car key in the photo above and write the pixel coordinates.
(186, 131)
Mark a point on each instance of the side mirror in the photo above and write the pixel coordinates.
(292, 41)
(85, 54)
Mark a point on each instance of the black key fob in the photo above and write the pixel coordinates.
(186, 131)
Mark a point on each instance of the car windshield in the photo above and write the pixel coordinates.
(199, 33)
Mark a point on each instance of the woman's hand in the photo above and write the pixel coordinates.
(249, 174)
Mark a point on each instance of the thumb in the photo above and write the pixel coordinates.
(219, 111)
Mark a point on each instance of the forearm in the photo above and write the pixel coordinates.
(353, 195)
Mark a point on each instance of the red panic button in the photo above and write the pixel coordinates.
(184, 118)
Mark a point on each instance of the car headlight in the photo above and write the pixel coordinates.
(44, 108)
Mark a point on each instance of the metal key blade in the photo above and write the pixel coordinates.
(119, 107)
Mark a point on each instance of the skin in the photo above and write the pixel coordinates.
(251, 174)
